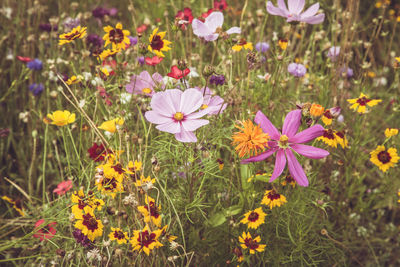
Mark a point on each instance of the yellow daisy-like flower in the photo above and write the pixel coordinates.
(157, 43)
(81, 200)
(253, 244)
(89, 225)
(165, 233)
(360, 104)
(283, 44)
(75, 33)
(110, 180)
(96, 203)
(17, 204)
(389, 132)
(329, 137)
(383, 158)
(117, 36)
(119, 235)
(243, 44)
(112, 125)
(143, 181)
(134, 168)
(145, 240)
(250, 140)
(72, 80)
(273, 199)
(341, 139)
(327, 117)
(60, 118)
(254, 218)
(107, 53)
(150, 211)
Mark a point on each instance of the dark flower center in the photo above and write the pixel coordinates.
(157, 43)
(363, 101)
(90, 222)
(384, 157)
(251, 244)
(145, 238)
(153, 210)
(340, 135)
(273, 195)
(118, 168)
(253, 216)
(328, 114)
(116, 36)
(119, 235)
(109, 184)
(329, 134)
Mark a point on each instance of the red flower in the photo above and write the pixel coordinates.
(153, 61)
(24, 59)
(220, 5)
(97, 152)
(185, 17)
(63, 187)
(177, 73)
(141, 28)
(45, 232)
(104, 95)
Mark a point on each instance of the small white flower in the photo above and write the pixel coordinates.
(193, 73)
(6, 11)
(93, 254)
(82, 103)
(86, 75)
(125, 98)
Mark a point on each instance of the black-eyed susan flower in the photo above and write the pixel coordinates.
(360, 104)
(150, 211)
(341, 139)
(157, 43)
(60, 118)
(117, 36)
(145, 240)
(75, 33)
(389, 132)
(383, 158)
(273, 199)
(119, 235)
(250, 140)
(88, 224)
(242, 44)
(17, 204)
(254, 218)
(112, 125)
(289, 180)
(253, 244)
(329, 137)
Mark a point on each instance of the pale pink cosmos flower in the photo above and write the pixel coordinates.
(212, 27)
(294, 12)
(175, 112)
(214, 103)
(283, 144)
(63, 187)
(144, 84)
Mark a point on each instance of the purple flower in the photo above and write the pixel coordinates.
(99, 12)
(94, 40)
(175, 112)
(36, 88)
(133, 40)
(333, 53)
(289, 140)
(112, 11)
(81, 238)
(345, 71)
(297, 70)
(214, 104)
(140, 60)
(294, 13)
(217, 79)
(262, 47)
(70, 23)
(144, 84)
(35, 64)
(208, 29)
(48, 27)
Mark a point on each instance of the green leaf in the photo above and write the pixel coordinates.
(217, 219)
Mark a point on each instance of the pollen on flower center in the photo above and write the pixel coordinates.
(283, 141)
(204, 106)
(146, 90)
(178, 116)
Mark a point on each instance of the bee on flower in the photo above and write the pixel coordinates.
(361, 103)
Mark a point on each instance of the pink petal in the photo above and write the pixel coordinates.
(260, 157)
(292, 123)
(157, 118)
(170, 127)
(296, 6)
(310, 151)
(307, 135)
(280, 163)
(161, 105)
(266, 125)
(214, 21)
(317, 19)
(200, 29)
(173, 98)
(282, 6)
(191, 100)
(192, 125)
(275, 10)
(295, 169)
(211, 37)
(197, 115)
(186, 137)
(158, 79)
(311, 11)
(234, 30)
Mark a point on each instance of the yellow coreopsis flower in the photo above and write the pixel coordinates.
(89, 225)
(247, 242)
(272, 199)
(17, 204)
(151, 211)
(72, 80)
(383, 158)
(145, 240)
(75, 33)
(389, 132)
(254, 218)
(157, 43)
(119, 235)
(360, 104)
(60, 118)
(117, 36)
(243, 44)
(107, 53)
(111, 125)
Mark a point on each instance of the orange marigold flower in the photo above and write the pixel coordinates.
(316, 110)
(250, 140)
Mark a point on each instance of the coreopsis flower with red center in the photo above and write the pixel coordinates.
(150, 211)
(63, 187)
(98, 152)
(220, 5)
(329, 137)
(360, 104)
(117, 37)
(59, 118)
(273, 199)
(254, 218)
(184, 17)
(242, 44)
(251, 140)
(289, 180)
(145, 240)
(88, 224)
(119, 235)
(383, 158)
(81, 200)
(166, 233)
(44, 232)
(329, 114)
(109, 181)
(176, 73)
(134, 169)
(389, 132)
(17, 204)
(152, 61)
(283, 44)
(107, 53)
(75, 33)
(157, 43)
(253, 244)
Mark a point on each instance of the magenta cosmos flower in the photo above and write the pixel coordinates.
(144, 84)
(175, 112)
(44, 232)
(211, 27)
(283, 144)
(294, 12)
(214, 103)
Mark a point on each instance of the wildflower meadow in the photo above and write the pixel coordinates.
(200, 133)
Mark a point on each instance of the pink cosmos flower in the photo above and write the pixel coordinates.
(144, 84)
(175, 112)
(283, 144)
(294, 13)
(214, 104)
(63, 187)
(211, 27)
(44, 232)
